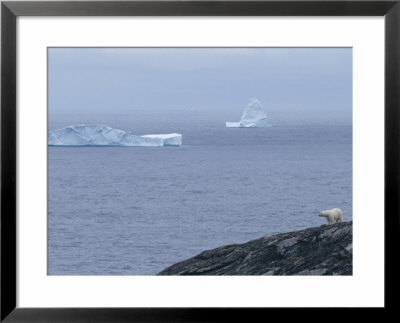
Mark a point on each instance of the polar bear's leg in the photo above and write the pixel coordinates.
(340, 218)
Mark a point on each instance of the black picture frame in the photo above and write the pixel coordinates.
(10, 10)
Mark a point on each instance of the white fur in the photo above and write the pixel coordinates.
(332, 216)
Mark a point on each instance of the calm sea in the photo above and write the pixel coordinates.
(137, 210)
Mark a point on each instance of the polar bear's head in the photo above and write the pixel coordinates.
(322, 213)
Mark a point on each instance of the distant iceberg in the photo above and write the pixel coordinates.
(171, 139)
(101, 135)
(253, 116)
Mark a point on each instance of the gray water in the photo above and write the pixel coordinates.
(137, 210)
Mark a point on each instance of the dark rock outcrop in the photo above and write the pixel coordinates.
(324, 250)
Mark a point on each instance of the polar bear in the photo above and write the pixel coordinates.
(332, 216)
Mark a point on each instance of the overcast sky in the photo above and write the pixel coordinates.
(295, 85)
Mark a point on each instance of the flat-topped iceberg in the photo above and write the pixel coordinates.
(171, 139)
(253, 116)
(101, 135)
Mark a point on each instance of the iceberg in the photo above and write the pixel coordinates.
(102, 135)
(171, 139)
(253, 116)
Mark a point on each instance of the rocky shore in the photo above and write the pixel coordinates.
(323, 250)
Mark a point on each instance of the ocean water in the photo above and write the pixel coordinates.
(137, 210)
